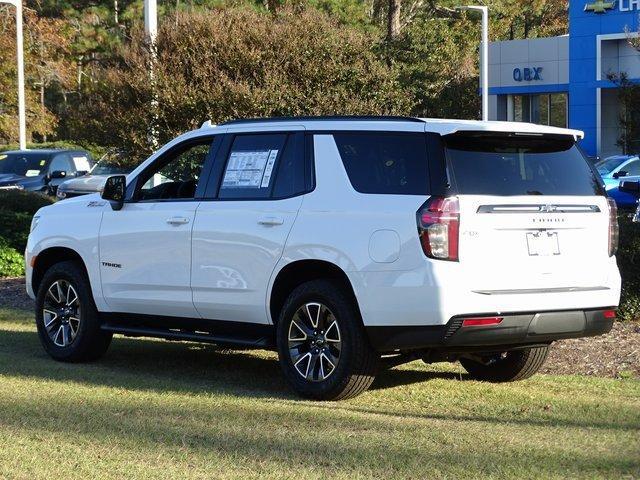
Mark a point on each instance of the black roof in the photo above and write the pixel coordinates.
(389, 118)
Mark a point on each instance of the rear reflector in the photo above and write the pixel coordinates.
(609, 314)
(478, 322)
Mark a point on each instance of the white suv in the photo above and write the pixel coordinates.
(343, 243)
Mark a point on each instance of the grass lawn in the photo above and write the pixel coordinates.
(153, 409)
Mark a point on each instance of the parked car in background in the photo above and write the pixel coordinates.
(631, 186)
(612, 170)
(42, 170)
(110, 164)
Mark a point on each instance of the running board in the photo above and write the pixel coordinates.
(242, 341)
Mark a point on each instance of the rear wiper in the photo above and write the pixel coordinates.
(534, 192)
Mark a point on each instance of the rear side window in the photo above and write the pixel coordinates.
(486, 164)
(251, 166)
(385, 163)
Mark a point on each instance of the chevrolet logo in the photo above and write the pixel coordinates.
(599, 6)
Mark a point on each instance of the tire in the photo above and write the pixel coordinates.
(343, 344)
(508, 366)
(69, 330)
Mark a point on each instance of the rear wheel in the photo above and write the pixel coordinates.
(66, 316)
(506, 366)
(323, 349)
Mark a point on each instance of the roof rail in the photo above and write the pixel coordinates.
(387, 118)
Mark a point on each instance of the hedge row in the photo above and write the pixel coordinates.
(17, 207)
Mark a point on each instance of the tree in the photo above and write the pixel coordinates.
(239, 63)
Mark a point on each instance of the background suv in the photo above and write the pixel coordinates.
(345, 244)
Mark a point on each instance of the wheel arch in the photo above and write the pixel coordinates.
(301, 271)
(49, 257)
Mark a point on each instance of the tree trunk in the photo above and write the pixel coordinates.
(393, 20)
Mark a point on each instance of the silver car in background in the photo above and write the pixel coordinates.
(111, 163)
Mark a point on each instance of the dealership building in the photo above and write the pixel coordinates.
(563, 81)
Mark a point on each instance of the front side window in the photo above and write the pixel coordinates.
(385, 163)
(503, 164)
(176, 175)
(632, 168)
(61, 163)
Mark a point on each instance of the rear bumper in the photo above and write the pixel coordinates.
(514, 330)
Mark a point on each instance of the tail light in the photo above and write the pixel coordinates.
(609, 314)
(613, 227)
(439, 228)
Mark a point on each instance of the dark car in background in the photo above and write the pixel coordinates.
(112, 163)
(42, 170)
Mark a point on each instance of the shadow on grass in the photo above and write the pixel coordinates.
(139, 364)
(171, 366)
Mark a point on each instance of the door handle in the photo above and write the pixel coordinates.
(177, 220)
(270, 220)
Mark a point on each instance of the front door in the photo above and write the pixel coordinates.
(145, 248)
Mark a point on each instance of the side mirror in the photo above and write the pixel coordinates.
(58, 174)
(630, 187)
(621, 173)
(114, 190)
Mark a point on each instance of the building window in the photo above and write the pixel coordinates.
(543, 109)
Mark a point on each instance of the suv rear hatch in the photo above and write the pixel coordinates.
(533, 216)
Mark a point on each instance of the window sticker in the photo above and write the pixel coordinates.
(266, 177)
(81, 163)
(249, 169)
(42, 162)
(32, 173)
(2, 157)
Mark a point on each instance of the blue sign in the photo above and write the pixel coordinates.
(527, 74)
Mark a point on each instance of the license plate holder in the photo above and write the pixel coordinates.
(543, 244)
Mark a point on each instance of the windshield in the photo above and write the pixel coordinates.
(29, 164)
(608, 165)
(490, 164)
(112, 163)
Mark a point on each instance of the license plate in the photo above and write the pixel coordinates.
(543, 244)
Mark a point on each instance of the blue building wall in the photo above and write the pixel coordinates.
(583, 30)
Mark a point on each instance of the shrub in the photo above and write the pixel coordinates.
(629, 264)
(11, 262)
(14, 228)
(237, 63)
(17, 207)
(23, 201)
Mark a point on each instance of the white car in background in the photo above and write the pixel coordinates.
(343, 244)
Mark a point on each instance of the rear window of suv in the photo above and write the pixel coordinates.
(509, 164)
(385, 162)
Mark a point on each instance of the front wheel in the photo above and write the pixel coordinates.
(506, 366)
(323, 349)
(66, 316)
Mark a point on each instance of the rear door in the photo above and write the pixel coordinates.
(241, 227)
(533, 214)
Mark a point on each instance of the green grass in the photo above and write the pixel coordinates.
(153, 409)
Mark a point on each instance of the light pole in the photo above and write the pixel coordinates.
(22, 123)
(484, 57)
(151, 31)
